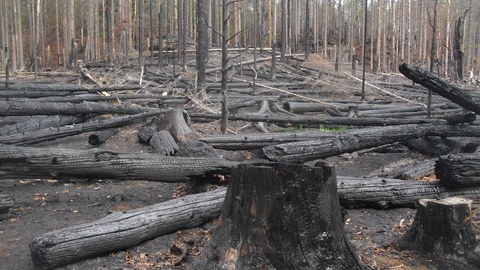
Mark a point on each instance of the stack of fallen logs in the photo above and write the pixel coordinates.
(178, 157)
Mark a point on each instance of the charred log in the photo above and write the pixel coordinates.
(458, 170)
(26, 162)
(359, 139)
(6, 202)
(163, 143)
(33, 108)
(36, 123)
(100, 137)
(42, 135)
(441, 87)
(280, 216)
(196, 148)
(444, 229)
(119, 231)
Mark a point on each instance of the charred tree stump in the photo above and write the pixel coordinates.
(281, 216)
(444, 228)
(441, 87)
(458, 170)
(102, 136)
(163, 143)
(122, 230)
(174, 122)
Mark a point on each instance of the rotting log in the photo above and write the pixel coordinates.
(6, 202)
(280, 216)
(18, 162)
(102, 136)
(312, 120)
(441, 87)
(121, 230)
(34, 108)
(42, 135)
(459, 170)
(444, 229)
(359, 139)
(259, 140)
(35, 123)
(163, 143)
(383, 193)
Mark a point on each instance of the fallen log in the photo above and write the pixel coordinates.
(36, 123)
(459, 170)
(6, 202)
(196, 148)
(163, 143)
(280, 216)
(444, 229)
(102, 136)
(18, 162)
(359, 139)
(34, 108)
(70, 87)
(259, 140)
(114, 97)
(121, 230)
(424, 168)
(383, 193)
(441, 87)
(42, 135)
(312, 120)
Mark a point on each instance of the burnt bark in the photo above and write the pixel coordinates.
(444, 229)
(459, 170)
(34, 108)
(121, 230)
(196, 148)
(6, 202)
(163, 143)
(18, 162)
(441, 87)
(296, 223)
(359, 139)
(100, 137)
(36, 123)
(174, 122)
(47, 134)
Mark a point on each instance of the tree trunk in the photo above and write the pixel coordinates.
(109, 30)
(458, 46)
(224, 119)
(174, 122)
(36, 108)
(121, 230)
(441, 87)
(296, 224)
(47, 134)
(355, 140)
(37, 123)
(458, 171)
(202, 46)
(58, 163)
(444, 228)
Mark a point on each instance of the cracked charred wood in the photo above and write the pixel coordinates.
(444, 229)
(33, 108)
(280, 216)
(121, 230)
(35, 123)
(441, 87)
(383, 193)
(424, 168)
(359, 139)
(312, 120)
(6, 202)
(102, 136)
(259, 140)
(18, 162)
(196, 148)
(174, 122)
(430, 146)
(163, 143)
(47, 134)
(459, 170)
(461, 118)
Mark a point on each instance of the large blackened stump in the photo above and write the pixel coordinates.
(280, 216)
(444, 228)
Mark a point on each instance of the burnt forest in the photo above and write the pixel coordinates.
(239, 134)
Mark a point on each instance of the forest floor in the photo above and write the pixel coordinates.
(45, 205)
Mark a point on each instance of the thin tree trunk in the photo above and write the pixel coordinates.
(224, 121)
(140, 35)
(202, 45)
